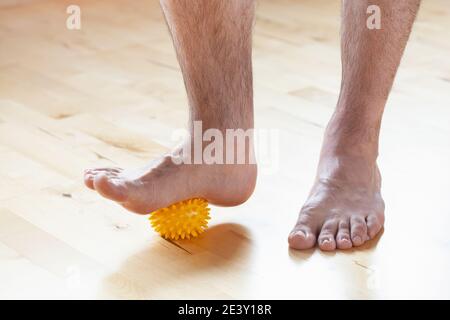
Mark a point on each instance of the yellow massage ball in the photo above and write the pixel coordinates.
(183, 220)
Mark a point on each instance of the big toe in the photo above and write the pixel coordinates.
(302, 238)
(110, 187)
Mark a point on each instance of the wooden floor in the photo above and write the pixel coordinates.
(112, 94)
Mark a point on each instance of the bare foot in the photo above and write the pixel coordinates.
(163, 182)
(344, 208)
(217, 73)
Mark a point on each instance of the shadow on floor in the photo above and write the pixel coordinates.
(165, 266)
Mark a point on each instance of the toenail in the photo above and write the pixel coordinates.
(357, 239)
(300, 233)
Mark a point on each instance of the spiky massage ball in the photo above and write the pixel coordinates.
(182, 220)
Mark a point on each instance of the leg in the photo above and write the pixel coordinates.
(212, 39)
(345, 207)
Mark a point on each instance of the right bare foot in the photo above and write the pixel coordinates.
(163, 182)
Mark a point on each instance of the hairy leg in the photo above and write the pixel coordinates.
(212, 39)
(345, 207)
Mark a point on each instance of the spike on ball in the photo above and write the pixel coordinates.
(182, 220)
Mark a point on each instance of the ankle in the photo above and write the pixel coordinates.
(350, 136)
(216, 146)
(349, 149)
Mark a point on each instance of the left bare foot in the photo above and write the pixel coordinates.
(344, 208)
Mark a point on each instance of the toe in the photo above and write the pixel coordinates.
(107, 171)
(301, 238)
(327, 235)
(89, 180)
(90, 174)
(358, 230)
(113, 189)
(343, 239)
(373, 225)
